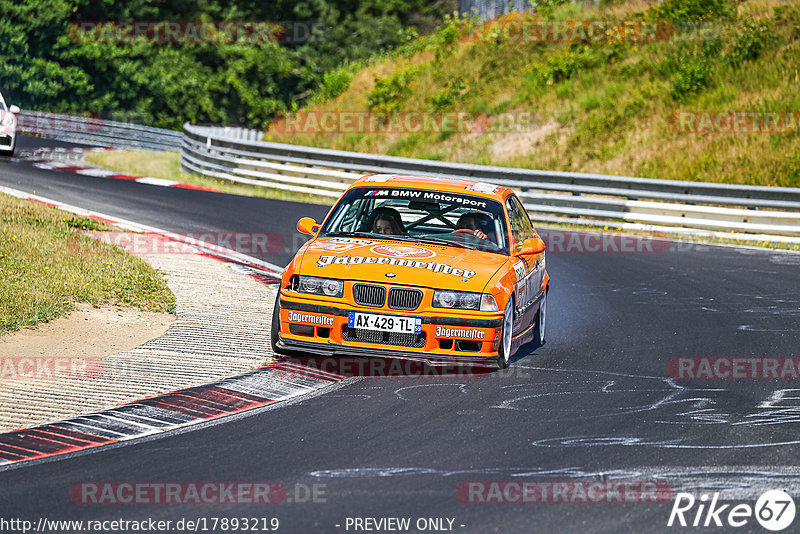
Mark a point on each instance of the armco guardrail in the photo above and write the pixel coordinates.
(97, 132)
(564, 197)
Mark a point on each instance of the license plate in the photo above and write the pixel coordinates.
(385, 323)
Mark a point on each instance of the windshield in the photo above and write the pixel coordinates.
(421, 215)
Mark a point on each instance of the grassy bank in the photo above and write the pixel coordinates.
(167, 165)
(47, 264)
(606, 107)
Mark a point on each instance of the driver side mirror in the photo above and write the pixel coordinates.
(534, 245)
(13, 109)
(308, 226)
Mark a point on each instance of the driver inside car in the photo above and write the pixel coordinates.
(472, 221)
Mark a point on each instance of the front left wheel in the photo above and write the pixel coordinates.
(541, 321)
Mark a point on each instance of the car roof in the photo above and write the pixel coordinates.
(448, 185)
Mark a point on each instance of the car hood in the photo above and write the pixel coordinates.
(400, 262)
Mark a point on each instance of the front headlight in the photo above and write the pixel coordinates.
(461, 300)
(328, 287)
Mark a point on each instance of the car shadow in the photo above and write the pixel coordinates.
(528, 349)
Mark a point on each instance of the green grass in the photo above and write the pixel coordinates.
(47, 264)
(597, 106)
(167, 165)
(164, 164)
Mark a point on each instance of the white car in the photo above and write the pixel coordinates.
(8, 128)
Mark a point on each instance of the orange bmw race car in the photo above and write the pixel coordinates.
(422, 268)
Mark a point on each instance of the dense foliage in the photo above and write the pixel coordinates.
(609, 104)
(46, 67)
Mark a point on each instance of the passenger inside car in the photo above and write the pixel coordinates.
(386, 221)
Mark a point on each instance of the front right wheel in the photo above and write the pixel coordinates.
(505, 341)
(276, 324)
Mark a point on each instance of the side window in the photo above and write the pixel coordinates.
(521, 227)
(348, 217)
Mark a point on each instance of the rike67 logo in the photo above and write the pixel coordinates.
(774, 510)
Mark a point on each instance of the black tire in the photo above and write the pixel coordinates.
(504, 350)
(541, 322)
(276, 325)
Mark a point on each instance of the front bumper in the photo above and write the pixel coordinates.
(321, 329)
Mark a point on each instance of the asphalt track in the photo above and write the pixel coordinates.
(595, 403)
